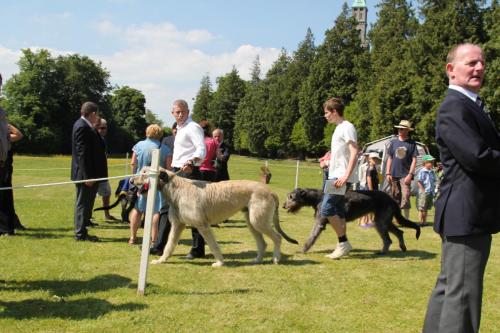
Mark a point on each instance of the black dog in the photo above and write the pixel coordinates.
(126, 198)
(357, 204)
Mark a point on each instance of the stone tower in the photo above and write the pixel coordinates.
(360, 12)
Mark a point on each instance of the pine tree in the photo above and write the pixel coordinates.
(230, 90)
(203, 99)
(335, 73)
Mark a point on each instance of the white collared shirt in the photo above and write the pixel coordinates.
(189, 144)
(472, 95)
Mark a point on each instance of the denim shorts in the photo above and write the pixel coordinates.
(333, 204)
(103, 189)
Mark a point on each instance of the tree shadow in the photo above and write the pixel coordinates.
(65, 288)
(87, 308)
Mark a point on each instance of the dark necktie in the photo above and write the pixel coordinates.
(480, 103)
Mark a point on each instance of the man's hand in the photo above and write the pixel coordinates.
(408, 178)
(341, 181)
(388, 177)
(89, 184)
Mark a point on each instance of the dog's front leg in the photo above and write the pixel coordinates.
(209, 237)
(319, 226)
(173, 239)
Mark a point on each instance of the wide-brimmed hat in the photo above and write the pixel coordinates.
(428, 158)
(404, 124)
(374, 155)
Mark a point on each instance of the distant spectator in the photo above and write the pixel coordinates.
(141, 157)
(104, 189)
(169, 140)
(88, 162)
(207, 167)
(401, 164)
(223, 154)
(426, 187)
(8, 134)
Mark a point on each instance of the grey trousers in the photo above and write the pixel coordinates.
(455, 302)
(84, 204)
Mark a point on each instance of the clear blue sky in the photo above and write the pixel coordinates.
(164, 47)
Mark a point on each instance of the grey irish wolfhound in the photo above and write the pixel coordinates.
(201, 204)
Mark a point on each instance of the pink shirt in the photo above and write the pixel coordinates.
(211, 146)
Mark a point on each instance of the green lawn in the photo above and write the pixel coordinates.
(50, 283)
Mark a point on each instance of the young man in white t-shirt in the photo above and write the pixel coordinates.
(344, 152)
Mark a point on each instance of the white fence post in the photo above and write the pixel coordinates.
(146, 238)
(297, 175)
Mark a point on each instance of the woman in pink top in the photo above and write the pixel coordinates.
(207, 168)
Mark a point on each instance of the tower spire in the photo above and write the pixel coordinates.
(360, 13)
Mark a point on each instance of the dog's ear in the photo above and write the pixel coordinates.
(301, 192)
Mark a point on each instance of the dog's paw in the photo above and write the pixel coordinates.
(276, 261)
(257, 261)
(157, 261)
(218, 264)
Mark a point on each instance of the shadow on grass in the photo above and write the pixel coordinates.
(231, 260)
(65, 288)
(370, 254)
(156, 289)
(87, 308)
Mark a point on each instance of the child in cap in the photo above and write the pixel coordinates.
(426, 187)
(372, 182)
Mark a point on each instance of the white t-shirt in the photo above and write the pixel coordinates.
(189, 143)
(344, 133)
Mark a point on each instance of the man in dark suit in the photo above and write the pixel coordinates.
(88, 162)
(468, 207)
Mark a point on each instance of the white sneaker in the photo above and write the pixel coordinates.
(341, 250)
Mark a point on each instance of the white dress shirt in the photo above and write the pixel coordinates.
(189, 144)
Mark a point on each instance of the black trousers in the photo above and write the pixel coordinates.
(198, 247)
(8, 217)
(455, 302)
(85, 196)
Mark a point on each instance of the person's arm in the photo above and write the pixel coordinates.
(411, 173)
(420, 182)
(353, 150)
(369, 180)
(168, 162)
(198, 140)
(133, 162)
(15, 134)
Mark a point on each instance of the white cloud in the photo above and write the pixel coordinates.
(165, 63)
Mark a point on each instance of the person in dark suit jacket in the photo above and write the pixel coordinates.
(223, 155)
(88, 162)
(468, 207)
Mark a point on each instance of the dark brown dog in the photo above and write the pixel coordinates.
(357, 204)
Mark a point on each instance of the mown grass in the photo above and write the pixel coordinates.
(50, 283)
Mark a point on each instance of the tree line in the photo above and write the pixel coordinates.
(45, 97)
(401, 75)
(279, 114)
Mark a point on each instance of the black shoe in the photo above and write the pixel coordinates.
(92, 224)
(88, 238)
(155, 252)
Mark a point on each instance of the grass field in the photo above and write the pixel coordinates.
(50, 283)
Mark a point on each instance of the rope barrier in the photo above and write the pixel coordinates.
(50, 169)
(64, 183)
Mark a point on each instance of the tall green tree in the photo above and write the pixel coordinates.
(203, 99)
(491, 90)
(230, 90)
(44, 98)
(445, 24)
(384, 91)
(335, 72)
(129, 115)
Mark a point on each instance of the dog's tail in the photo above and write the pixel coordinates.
(120, 196)
(404, 222)
(276, 222)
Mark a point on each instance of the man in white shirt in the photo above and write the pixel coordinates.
(189, 153)
(344, 152)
